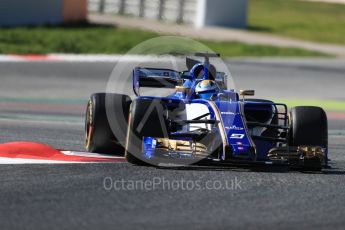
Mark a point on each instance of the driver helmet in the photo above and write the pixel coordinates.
(206, 89)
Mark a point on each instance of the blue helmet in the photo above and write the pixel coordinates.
(206, 89)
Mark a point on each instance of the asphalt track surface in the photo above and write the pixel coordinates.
(49, 108)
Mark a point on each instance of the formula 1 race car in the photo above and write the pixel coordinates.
(204, 122)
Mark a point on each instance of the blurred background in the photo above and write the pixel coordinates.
(232, 27)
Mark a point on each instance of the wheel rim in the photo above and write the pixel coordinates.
(88, 126)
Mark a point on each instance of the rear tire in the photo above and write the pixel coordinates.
(99, 137)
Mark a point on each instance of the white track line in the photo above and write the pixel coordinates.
(83, 58)
(9, 161)
(85, 154)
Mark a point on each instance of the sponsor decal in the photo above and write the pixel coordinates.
(234, 127)
(227, 113)
(237, 136)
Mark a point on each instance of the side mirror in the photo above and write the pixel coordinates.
(247, 92)
(186, 75)
(182, 89)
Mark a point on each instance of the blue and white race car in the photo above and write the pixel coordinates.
(203, 122)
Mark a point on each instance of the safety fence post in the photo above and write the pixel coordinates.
(161, 9)
(101, 6)
(142, 8)
(180, 11)
(122, 7)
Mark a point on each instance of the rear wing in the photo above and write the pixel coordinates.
(155, 78)
(167, 78)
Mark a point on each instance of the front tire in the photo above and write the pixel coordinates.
(308, 127)
(146, 119)
(99, 136)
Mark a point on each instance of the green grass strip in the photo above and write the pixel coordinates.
(91, 39)
(314, 21)
(325, 104)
